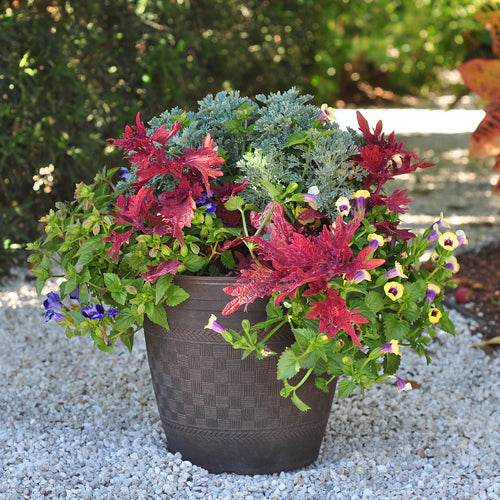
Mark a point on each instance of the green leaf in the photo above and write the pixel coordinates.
(335, 365)
(446, 324)
(391, 363)
(374, 301)
(124, 320)
(161, 287)
(194, 263)
(412, 312)
(128, 340)
(321, 384)
(227, 259)
(395, 328)
(345, 388)
(234, 203)
(175, 295)
(299, 403)
(288, 365)
(159, 316)
(120, 297)
(93, 245)
(297, 138)
(273, 311)
(112, 282)
(304, 336)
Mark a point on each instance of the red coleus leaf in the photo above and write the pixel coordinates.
(202, 162)
(390, 228)
(177, 209)
(118, 240)
(383, 158)
(482, 76)
(334, 316)
(288, 260)
(485, 140)
(141, 148)
(396, 202)
(254, 282)
(137, 209)
(230, 218)
(168, 267)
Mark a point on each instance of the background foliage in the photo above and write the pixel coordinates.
(73, 73)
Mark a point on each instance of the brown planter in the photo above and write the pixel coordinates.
(220, 412)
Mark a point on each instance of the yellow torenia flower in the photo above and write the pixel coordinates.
(432, 291)
(394, 290)
(214, 325)
(452, 264)
(392, 347)
(375, 240)
(362, 193)
(360, 196)
(327, 114)
(462, 238)
(449, 241)
(434, 315)
(396, 271)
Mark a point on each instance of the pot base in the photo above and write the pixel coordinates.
(223, 413)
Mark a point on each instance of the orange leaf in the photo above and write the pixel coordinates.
(482, 76)
(484, 13)
(495, 33)
(485, 140)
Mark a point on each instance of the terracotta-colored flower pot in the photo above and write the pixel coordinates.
(220, 412)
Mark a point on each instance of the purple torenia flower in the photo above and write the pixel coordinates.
(395, 272)
(434, 235)
(214, 325)
(394, 290)
(93, 311)
(112, 312)
(361, 275)
(360, 197)
(53, 301)
(327, 114)
(432, 291)
(462, 239)
(401, 384)
(375, 240)
(449, 241)
(452, 264)
(392, 347)
(343, 206)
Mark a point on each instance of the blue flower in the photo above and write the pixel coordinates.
(112, 312)
(52, 314)
(93, 311)
(75, 294)
(124, 172)
(206, 202)
(53, 301)
(52, 305)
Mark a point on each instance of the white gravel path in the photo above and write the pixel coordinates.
(76, 423)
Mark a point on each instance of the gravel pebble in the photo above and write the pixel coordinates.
(77, 423)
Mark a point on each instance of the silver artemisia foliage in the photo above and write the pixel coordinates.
(261, 153)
